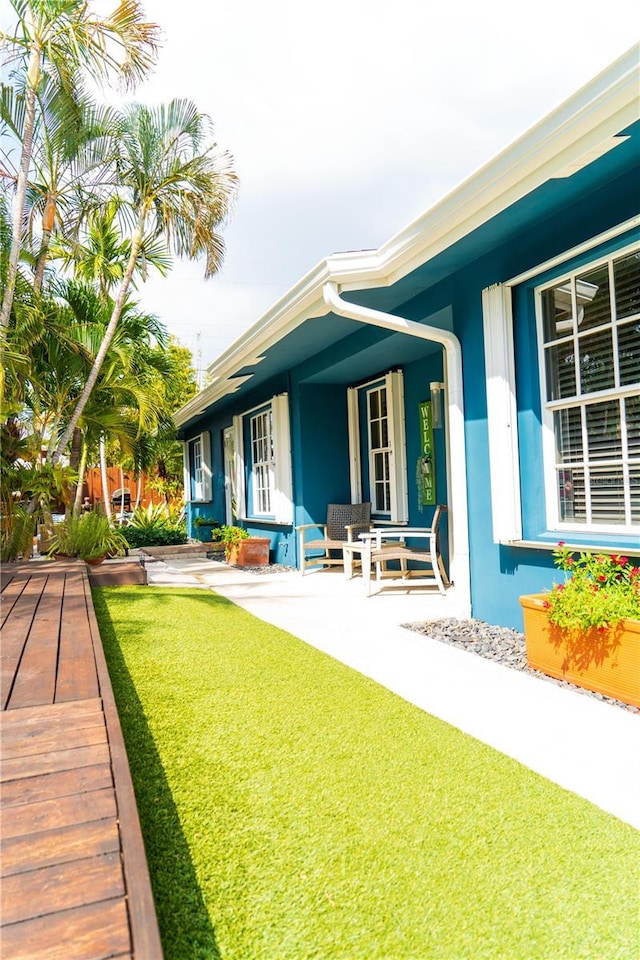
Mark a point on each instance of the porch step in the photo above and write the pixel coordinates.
(182, 551)
(127, 571)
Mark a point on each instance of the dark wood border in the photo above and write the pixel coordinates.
(142, 912)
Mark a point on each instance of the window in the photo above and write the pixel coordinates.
(590, 361)
(379, 451)
(258, 462)
(377, 447)
(198, 474)
(262, 461)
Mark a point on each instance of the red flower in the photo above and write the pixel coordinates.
(602, 578)
(623, 561)
(546, 604)
(561, 543)
(570, 561)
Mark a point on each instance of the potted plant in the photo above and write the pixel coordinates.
(207, 529)
(241, 550)
(89, 536)
(587, 628)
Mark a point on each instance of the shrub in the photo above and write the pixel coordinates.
(88, 536)
(155, 526)
(16, 533)
(598, 591)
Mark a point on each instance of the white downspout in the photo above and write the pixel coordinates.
(457, 461)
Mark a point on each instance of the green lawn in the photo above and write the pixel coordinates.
(295, 810)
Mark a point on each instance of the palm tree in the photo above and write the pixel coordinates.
(69, 142)
(171, 183)
(100, 256)
(56, 38)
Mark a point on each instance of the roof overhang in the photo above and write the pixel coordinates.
(582, 130)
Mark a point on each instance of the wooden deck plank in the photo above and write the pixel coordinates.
(15, 632)
(35, 681)
(54, 761)
(93, 932)
(31, 818)
(50, 786)
(20, 854)
(25, 896)
(43, 740)
(77, 677)
(11, 591)
(55, 716)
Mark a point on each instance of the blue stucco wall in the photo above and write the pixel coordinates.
(499, 574)
(321, 450)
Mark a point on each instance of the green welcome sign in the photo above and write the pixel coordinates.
(426, 470)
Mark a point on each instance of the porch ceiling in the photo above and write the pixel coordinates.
(335, 350)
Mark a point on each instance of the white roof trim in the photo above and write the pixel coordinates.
(605, 106)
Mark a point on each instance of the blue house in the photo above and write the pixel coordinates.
(486, 357)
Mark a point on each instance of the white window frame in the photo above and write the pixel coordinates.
(279, 469)
(582, 401)
(262, 458)
(198, 488)
(393, 384)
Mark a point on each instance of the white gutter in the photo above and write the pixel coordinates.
(456, 446)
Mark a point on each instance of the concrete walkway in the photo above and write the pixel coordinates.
(578, 742)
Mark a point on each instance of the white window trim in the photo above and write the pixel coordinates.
(394, 383)
(186, 472)
(230, 475)
(189, 480)
(548, 434)
(282, 492)
(241, 491)
(355, 472)
(502, 414)
(399, 484)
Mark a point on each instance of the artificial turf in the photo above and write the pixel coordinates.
(293, 809)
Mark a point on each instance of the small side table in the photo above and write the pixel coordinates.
(352, 553)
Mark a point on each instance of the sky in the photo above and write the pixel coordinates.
(349, 118)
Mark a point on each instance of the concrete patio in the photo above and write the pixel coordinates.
(583, 744)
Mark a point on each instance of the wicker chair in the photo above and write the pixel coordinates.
(345, 521)
(385, 544)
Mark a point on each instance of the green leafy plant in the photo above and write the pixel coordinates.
(88, 536)
(156, 526)
(231, 536)
(206, 522)
(598, 590)
(16, 533)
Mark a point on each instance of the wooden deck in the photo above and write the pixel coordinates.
(75, 882)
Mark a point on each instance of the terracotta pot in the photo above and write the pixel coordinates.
(95, 561)
(253, 552)
(606, 661)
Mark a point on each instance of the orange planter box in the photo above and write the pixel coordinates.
(253, 552)
(606, 661)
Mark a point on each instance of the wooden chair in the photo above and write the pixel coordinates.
(345, 522)
(386, 544)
